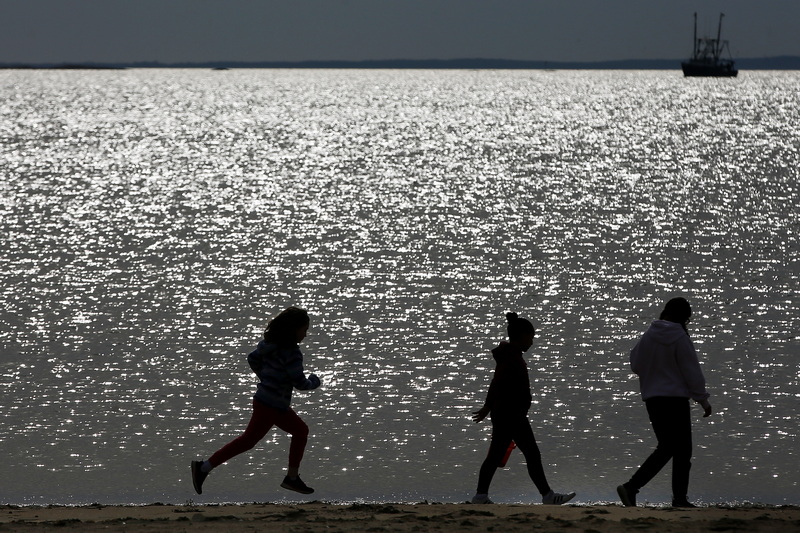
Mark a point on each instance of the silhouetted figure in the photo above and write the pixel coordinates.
(278, 363)
(669, 376)
(508, 402)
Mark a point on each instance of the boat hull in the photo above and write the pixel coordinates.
(708, 70)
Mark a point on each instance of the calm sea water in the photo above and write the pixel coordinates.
(151, 221)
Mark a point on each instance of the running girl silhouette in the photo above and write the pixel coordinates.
(508, 402)
(278, 363)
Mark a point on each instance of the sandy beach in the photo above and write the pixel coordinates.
(318, 516)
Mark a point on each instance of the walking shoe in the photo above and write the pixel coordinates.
(296, 485)
(198, 476)
(683, 504)
(627, 496)
(556, 498)
(481, 499)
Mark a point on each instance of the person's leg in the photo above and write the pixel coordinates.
(526, 442)
(292, 424)
(260, 423)
(501, 439)
(659, 411)
(682, 458)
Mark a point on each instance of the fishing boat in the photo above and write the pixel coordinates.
(706, 58)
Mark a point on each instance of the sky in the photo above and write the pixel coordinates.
(171, 31)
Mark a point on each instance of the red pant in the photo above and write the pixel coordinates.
(264, 417)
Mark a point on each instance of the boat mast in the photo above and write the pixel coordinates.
(718, 47)
(694, 42)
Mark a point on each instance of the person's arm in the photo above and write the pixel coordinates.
(491, 396)
(635, 359)
(256, 361)
(481, 413)
(689, 365)
(493, 387)
(707, 409)
(294, 367)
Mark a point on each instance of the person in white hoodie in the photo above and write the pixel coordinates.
(669, 377)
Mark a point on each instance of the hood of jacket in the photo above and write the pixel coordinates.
(665, 332)
(504, 351)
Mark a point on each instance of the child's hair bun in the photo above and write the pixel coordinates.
(511, 316)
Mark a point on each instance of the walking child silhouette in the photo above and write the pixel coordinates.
(507, 402)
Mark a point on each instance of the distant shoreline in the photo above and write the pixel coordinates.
(766, 63)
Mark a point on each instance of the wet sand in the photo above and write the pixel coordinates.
(318, 516)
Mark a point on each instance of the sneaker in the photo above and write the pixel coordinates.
(556, 498)
(198, 476)
(481, 499)
(627, 496)
(296, 485)
(683, 504)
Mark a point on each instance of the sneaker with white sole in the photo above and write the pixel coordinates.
(481, 499)
(296, 485)
(556, 498)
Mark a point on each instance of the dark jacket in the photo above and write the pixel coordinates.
(280, 369)
(510, 390)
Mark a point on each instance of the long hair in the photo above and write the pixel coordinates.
(677, 310)
(518, 327)
(282, 329)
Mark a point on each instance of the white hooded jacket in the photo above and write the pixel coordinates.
(666, 362)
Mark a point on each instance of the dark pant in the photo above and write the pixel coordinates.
(672, 424)
(504, 430)
(262, 420)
